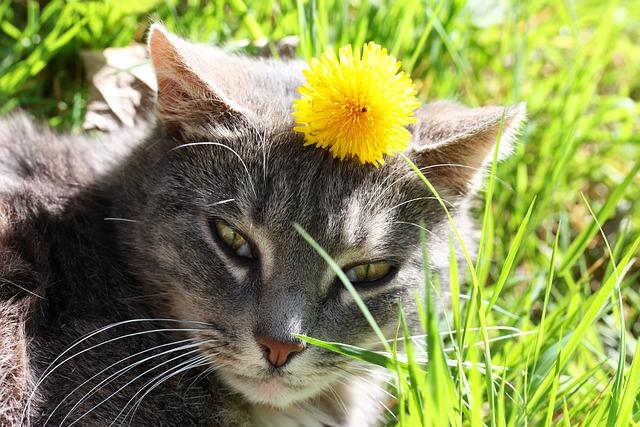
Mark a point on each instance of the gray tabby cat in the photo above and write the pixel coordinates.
(153, 277)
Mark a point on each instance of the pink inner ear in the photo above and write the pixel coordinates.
(169, 56)
(187, 93)
(166, 86)
(161, 50)
(455, 166)
(166, 61)
(459, 140)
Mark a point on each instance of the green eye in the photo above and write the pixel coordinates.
(234, 240)
(368, 272)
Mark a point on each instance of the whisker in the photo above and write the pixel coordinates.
(475, 329)
(429, 232)
(53, 368)
(381, 374)
(266, 150)
(211, 369)
(415, 200)
(495, 377)
(120, 219)
(346, 381)
(118, 373)
(155, 382)
(55, 364)
(221, 202)
(96, 406)
(376, 196)
(22, 288)
(495, 307)
(127, 322)
(217, 144)
(368, 381)
(339, 399)
(475, 169)
(492, 340)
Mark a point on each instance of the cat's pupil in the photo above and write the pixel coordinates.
(368, 272)
(234, 240)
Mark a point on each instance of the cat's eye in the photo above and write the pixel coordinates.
(368, 272)
(234, 240)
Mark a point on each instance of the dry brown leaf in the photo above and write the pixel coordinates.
(123, 84)
(123, 87)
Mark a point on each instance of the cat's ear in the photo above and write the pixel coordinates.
(187, 96)
(452, 143)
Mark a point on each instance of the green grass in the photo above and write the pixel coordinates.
(546, 332)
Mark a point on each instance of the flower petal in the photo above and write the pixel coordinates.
(356, 105)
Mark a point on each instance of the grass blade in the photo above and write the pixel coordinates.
(347, 284)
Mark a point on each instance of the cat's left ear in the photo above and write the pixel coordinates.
(188, 98)
(452, 143)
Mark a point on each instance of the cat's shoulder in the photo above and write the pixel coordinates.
(31, 152)
(46, 177)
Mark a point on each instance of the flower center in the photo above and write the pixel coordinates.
(357, 109)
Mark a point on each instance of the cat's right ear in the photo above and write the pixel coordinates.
(452, 144)
(187, 100)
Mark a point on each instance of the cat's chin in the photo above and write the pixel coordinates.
(275, 392)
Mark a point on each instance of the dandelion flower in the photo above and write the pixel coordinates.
(356, 106)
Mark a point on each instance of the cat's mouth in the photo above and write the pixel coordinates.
(275, 391)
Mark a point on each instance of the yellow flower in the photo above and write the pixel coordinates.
(356, 105)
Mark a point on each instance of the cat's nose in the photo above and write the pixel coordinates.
(279, 352)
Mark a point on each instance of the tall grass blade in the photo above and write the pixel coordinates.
(581, 242)
(594, 307)
(511, 256)
(347, 284)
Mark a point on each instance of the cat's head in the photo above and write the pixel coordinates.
(215, 194)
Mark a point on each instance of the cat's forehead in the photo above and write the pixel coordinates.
(284, 165)
(268, 178)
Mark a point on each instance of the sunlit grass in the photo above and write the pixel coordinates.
(545, 332)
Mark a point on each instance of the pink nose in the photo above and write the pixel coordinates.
(278, 352)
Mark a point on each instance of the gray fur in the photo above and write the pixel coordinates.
(110, 239)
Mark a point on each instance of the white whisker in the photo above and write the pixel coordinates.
(377, 195)
(119, 219)
(221, 202)
(217, 144)
(119, 373)
(339, 399)
(21, 287)
(55, 364)
(211, 369)
(364, 378)
(348, 382)
(182, 367)
(125, 386)
(429, 232)
(414, 200)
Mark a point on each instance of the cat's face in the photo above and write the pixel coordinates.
(215, 200)
(218, 231)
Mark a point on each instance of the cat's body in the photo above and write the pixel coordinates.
(119, 300)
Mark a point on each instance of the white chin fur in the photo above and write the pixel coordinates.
(325, 402)
(274, 392)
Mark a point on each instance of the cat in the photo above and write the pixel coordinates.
(153, 276)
